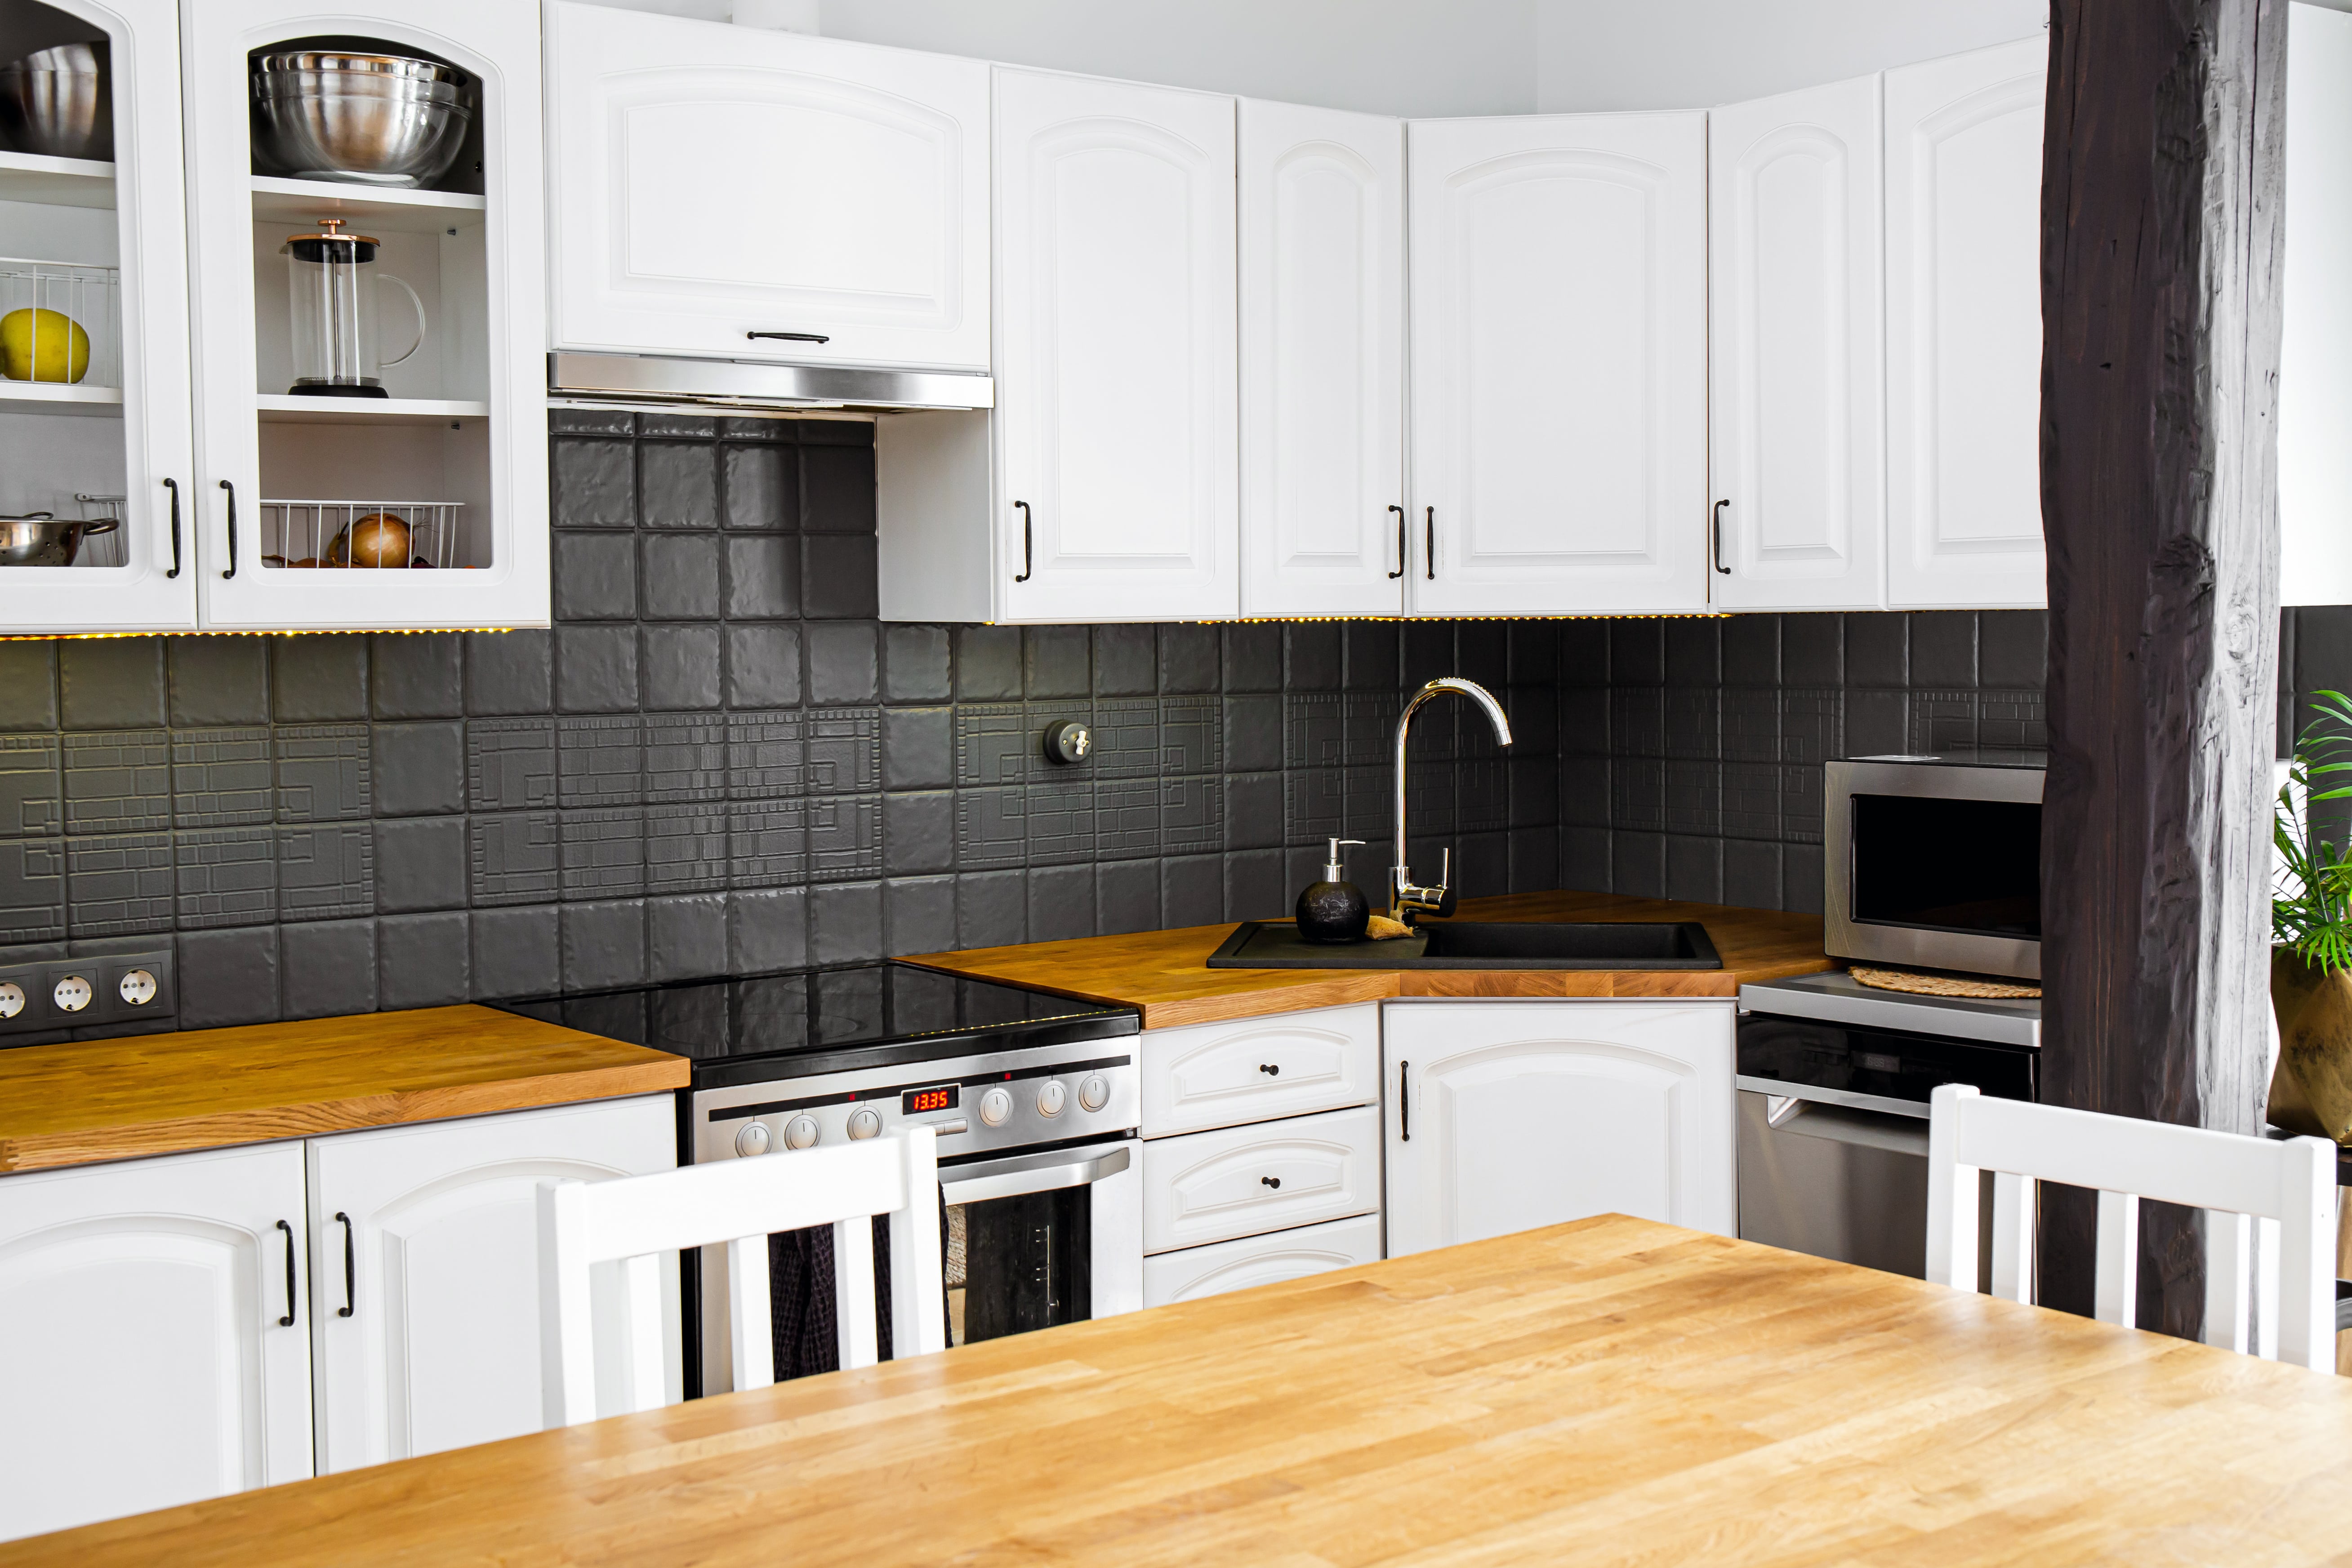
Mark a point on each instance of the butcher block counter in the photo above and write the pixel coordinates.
(76, 1103)
(1164, 974)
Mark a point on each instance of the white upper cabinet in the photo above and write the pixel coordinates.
(1322, 372)
(2314, 461)
(1964, 328)
(446, 468)
(98, 428)
(1799, 511)
(1506, 1116)
(743, 193)
(1115, 361)
(425, 1261)
(1558, 364)
(156, 1317)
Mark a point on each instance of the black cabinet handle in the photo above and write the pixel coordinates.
(793, 337)
(173, 486)
(287, 1320)
(1271, 1070)
(1405, 1104)
(350, 1271)
(1401, 522)
(1429, 541)
(1271, 1181)
(1028, 546)
(1716, 531)
(232, 528)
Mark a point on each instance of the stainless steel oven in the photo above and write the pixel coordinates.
(1936, 862)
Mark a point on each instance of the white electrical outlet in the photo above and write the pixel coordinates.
(138, 988)
(12, 998)
(72, 994)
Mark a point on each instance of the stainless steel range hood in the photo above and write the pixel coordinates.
(733, 384)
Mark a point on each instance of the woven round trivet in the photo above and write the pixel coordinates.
(1940, 985)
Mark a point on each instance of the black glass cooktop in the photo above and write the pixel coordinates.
(817, 1012)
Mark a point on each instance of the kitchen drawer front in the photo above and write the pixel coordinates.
(1245, 1181)
(1216, 1075)
(1199, 1272)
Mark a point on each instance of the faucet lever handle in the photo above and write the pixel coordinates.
(1444, 908)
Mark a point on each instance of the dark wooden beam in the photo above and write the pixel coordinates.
(2160, 265)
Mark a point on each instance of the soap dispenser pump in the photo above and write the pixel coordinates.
(1333, 909)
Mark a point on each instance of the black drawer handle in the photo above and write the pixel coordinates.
(350, 1271)
(1400, 545)
(1270, 1070)
(287, 1320)
(1028, 544)
(1405, 1104)
(1271, 1181)
(173, 486)
(232, 529)
(793, 337)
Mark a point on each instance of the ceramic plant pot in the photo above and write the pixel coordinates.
(2311, 1088)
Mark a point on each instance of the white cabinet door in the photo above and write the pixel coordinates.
(455, 452)
(104, 245)
(717, 180)
(1322, 344)
(1964, 330)
(1511, 1115)
(158, 1338)
(424, 1251)
(1799, 413)
(2314, 461)
(1240, 1180)
(1213, 1270)
(1558, 364)
(1256, 1070)
(1114, 394)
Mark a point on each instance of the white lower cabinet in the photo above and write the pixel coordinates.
(1506, 1116)
(1223, 1075)
(424, 1245)
(1240, 1180)
(1213, 1270)
(155, 1319)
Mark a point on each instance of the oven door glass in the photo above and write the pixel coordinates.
(1019, 1263)
(1933, 863)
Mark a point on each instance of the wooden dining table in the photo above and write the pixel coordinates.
(1610, 1391)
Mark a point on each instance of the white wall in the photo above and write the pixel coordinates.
(1391, 56)
(1695, 54)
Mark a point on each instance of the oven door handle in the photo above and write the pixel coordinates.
(1042, 1173)
(1781, 1090)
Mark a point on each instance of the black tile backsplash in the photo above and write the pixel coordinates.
(1690, 751)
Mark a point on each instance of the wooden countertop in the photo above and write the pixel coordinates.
(1605, 1391)
(1163, 972)
(206, 1088)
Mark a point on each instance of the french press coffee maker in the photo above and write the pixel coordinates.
(338, 345)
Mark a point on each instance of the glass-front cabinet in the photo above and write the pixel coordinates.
(271, 357)
(96, 466)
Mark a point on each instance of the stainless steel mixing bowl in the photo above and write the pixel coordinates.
(38, 539)
(54, 102)
(373, 119)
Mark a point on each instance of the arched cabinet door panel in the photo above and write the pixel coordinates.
(1798, 504)
(1211, 1270)
(157, 1319)
(853, 208)
(429, 1235)
(1506, 1116)
(1964, 330)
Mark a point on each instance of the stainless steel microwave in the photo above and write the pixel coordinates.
(1936, 862)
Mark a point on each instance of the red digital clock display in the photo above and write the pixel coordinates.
(916, 1101)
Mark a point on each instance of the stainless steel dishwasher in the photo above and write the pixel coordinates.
(1833, 1083)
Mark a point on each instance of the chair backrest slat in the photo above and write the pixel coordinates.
(739, 1203)
(2270, 1206)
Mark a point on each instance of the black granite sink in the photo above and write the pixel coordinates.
(1480, 944)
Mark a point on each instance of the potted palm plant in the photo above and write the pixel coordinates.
(2311, 936)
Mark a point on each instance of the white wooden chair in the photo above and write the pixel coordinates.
(2285, 1187)
(738, 1202)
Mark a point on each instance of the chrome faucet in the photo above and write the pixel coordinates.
(1404, 897)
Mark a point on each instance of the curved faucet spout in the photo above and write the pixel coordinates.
(1404, 897)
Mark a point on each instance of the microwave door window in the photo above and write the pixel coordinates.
(1970, 866)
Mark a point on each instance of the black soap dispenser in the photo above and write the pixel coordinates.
(1333, 909)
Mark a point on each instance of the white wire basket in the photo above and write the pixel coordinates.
(360, 534)
(41, 347)
(102, 548)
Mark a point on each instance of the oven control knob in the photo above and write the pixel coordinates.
(752, 1140)
(864, 1124)
(1095, 1093)
(800, 1132)
(1051, 1097)
(995, 1106)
